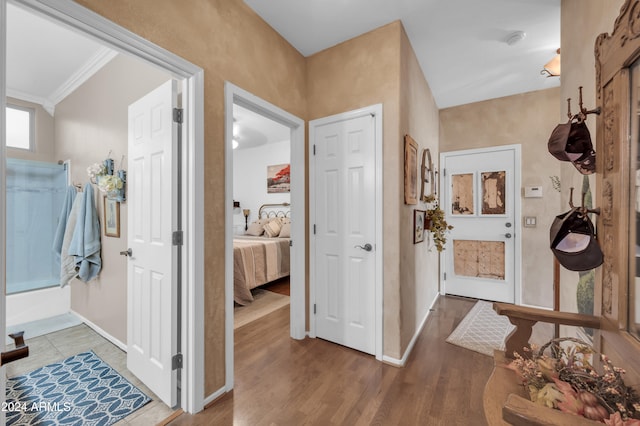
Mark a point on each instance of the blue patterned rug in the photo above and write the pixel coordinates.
(81, 390)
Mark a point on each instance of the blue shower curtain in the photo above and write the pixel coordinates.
(35, 192)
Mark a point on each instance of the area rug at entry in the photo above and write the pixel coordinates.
(481, 330)
(81, 390)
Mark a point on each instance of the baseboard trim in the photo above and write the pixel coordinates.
(208, 401)
(101, 332)
(401, 362)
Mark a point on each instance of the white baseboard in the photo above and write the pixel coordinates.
(101, 332)
(407, 352)
(217, 394)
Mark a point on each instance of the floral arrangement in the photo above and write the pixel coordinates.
(436, 223)
(566, 380)
(103, 176)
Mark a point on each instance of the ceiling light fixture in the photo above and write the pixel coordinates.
(552, 68)
(515, 37)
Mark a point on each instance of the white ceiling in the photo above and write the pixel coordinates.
(45, 61)
(460, 44)
(251, 129)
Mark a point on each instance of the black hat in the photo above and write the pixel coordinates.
(573, 241)
(571, 141)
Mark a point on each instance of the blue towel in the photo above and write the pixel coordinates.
(58, 237)
(85, 244)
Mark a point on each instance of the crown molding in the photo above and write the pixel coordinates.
(92, 66)
(27, 97)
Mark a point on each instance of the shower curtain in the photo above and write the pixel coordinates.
(35, 192)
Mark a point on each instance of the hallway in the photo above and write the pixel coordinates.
(280, 381)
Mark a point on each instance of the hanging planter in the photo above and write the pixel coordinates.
(110, 183)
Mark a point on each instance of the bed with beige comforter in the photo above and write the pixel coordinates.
(257, 261)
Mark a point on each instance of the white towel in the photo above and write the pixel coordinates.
(85, 244)
(68, 262)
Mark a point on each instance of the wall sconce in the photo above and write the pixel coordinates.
(552, 68)
(246, 218)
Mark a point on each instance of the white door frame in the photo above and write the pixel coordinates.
(235, 95)
(517, 219)
(89, 23)
(376, 111)
(3, 195)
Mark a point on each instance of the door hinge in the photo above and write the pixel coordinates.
(290, 243)
(176, 361)
(444, 172)
(314, 149)
(314, 309)
(177, 115)
(314, 229)
(445, 276)
(176, 238)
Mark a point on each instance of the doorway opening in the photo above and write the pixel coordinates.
(76, 19)
(239, 99)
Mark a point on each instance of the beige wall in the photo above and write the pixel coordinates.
(89, 124)
(418, 263)
(230, 42)
(526, 119)
(581, 22)
(43, 140)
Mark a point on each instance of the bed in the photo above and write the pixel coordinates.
(258, 260)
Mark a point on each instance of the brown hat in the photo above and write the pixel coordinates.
(573, 241)
(571, 141)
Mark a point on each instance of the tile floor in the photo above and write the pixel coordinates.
(56, 346)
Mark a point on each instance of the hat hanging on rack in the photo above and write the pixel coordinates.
(571, 141)
(573, 239)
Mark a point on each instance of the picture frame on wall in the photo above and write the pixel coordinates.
(111, 217)
(418, 225)
(410, 170)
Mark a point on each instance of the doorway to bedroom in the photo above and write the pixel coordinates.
(265, 215)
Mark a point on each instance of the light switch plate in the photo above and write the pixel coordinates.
(530, 221)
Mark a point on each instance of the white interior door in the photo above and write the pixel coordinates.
(480, 197)
(151, 295)
(344, 220)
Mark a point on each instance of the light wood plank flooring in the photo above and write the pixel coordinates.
(54, 347)
(280, 381)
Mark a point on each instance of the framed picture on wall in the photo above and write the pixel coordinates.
(410, 170)
(418, 226)
(111, 218)
(278, 178)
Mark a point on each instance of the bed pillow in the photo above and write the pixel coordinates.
(255, 228)
(272, 228)
(285, 231)
(284, 220)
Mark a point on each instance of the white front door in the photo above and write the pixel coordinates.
(480, 198)
(152, 202)
(343, 213)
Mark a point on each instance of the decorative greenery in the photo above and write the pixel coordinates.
(436, 222)
(102, 174)
(565, 379)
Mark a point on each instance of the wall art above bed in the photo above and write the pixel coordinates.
(278, 178)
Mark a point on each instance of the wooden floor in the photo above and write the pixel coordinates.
(280, 381)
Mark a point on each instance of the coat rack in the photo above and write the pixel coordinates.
(583, 209)
(582, 114)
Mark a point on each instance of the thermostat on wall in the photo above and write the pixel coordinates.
(532, 192)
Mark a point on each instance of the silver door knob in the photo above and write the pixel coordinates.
(507, 235)
(127, 253)
(367, 247)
